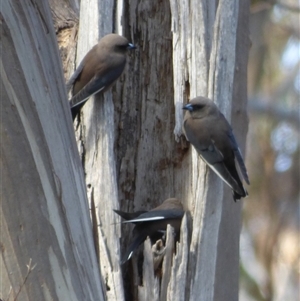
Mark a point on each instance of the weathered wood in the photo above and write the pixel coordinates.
(167, 263)
(116, 137)
(178, 281)
(208, 204)
(128, 148)
(131, 141)
(208, 219)
(65, 20)
(150, 288)
(192, 28)
(227, 277)
(44, 214)
(96, 138)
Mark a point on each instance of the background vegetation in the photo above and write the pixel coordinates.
(270, 236)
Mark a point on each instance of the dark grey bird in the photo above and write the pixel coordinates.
(206, 128)
(153, 222)
(99, 69)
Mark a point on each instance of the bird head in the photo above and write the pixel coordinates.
(116, 43)
(200, 107)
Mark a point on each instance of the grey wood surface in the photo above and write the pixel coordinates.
(47, 249)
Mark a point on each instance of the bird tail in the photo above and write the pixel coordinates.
(238, 196)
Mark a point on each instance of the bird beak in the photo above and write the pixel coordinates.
(131, 46)
(188, 107)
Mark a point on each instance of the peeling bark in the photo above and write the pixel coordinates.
(44, 214)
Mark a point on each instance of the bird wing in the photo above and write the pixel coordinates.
(157, 215)
(101, 81)
(139, 235)
(238, 156)
(129, 215)
(74, 76)
(146, 228)
(95, 85)
(215, 160)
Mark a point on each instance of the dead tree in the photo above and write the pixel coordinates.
(47, 249)
(132, 149)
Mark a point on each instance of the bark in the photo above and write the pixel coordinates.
(128, 148)
(227, 266)
(46, 242)
(132, 147)
(65, 20)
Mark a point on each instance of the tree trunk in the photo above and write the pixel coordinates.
(46, 239)
(131, 141)
(132, 150)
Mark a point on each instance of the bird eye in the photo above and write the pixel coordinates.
(198, 107)
(122, 46)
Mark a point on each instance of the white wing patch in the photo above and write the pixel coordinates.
(129, 256)
(83, 100)
(145, 219)
(213, 168)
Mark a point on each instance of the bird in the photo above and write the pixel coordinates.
(207, 129)
(98, 70)
(152, 223)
